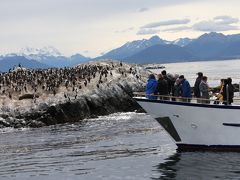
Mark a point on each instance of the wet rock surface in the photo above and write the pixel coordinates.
(111, 98)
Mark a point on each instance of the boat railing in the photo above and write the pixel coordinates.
(181, 99)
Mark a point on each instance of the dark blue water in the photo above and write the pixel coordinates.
(125, 146)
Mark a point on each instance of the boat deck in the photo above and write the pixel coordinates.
(211, 101)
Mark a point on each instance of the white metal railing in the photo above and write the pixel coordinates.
(184, 99)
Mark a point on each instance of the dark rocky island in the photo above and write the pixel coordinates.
(53, 96)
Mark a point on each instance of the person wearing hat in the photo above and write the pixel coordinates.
(196, 89)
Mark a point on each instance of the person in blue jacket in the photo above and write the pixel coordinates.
(151, 87)
(186, 89)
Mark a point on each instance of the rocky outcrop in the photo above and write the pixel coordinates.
(112, 97)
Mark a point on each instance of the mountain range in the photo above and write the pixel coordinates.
(209, 46)
(40, 58)
(8, 62)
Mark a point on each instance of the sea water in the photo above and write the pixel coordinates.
(214, 70)
(118, 146)
(122, 146)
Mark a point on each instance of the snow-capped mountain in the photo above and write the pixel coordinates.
(182, 42)
(161, 53)
(10, 61)
(45, 51)
(42, 55)
(48, 56)
(215, 45)
(131, 48)
(209, 46)
(134, 47)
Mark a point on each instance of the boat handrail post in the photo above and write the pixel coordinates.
(239, 88)
(227, 92)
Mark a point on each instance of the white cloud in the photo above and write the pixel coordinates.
(213, 26)
(218, 23)
(166, 23)
(225, 20)
(151, 27)
(177, 29)
(144, 31)
(76, 25)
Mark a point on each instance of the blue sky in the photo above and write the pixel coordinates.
(91, 27)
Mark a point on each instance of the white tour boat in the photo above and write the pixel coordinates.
(195, 126)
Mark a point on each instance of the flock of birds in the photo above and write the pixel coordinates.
(21, 83)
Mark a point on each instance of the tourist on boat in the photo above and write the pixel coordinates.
(196, 89)
(177, 89)
(204, 90)
(169, 80)
(185, 89)
(151, 87)
(228, 92)
(220, 94)
(162, 87)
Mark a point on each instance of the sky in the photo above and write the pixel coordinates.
(94, 27)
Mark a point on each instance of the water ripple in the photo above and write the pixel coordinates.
(200, 165)
(90, 149)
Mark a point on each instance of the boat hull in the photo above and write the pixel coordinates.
(197, 126)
